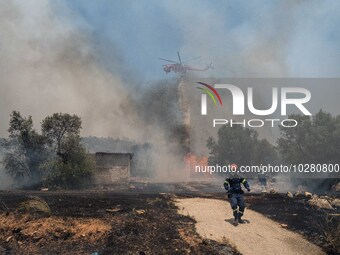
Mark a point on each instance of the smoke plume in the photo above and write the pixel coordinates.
(50, 64)
(53, 59)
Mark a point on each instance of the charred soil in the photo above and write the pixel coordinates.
(321, 226)
(103, 222)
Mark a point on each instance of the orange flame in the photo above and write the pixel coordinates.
(191, 161)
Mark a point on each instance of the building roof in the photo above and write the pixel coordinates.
(115, 153)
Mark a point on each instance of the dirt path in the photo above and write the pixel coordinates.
(259, 235)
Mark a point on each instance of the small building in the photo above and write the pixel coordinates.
(112, 168)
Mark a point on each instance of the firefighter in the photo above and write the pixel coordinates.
(263, 182)
(233, 185)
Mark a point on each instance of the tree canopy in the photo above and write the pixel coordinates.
(241, 146)
(315, 139)
(60, 125)
(56, 156)
(28, 149)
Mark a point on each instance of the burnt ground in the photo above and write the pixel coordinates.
(315, 224)
(108, 222)
(104, 222)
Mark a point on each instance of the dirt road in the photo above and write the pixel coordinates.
(259, 235)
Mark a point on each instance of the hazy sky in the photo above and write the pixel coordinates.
(99, 58)
(90, 57)
(242, 38)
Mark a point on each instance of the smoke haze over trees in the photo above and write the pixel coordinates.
(315, 140)
(27, 151)
(241, 146)
(99, 61)
(55, 157)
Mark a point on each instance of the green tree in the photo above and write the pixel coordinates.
(74, 168)
(57, 156)
(315, 139)
(27, 149)
(71, 167)
(264, 152)
(239, 145)
(58, 126)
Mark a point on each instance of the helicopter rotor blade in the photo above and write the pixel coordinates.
(167, 60)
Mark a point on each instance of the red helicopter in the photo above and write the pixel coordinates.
(181, 67)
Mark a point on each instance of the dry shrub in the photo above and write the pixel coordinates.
(331, 232)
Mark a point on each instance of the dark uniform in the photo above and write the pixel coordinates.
(235, 194)
(263, 182)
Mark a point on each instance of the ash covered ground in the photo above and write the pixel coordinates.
(103, 222)
(135, 222)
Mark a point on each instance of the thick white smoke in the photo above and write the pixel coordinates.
(49, 64)
(49, 61)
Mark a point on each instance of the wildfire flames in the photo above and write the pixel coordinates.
(191, 161)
